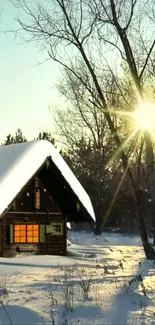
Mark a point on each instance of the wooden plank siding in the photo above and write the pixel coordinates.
(33, 205)
(52, 245)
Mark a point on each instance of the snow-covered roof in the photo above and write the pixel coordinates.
(19, 162)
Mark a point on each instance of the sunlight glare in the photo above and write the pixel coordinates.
(144, 116)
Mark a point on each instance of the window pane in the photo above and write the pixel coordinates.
(35, 239)
(29, 227)
(23, 239)
(17, 240)
(17, 227)
(35, 233)
(23, 227)
(23, 233)
(29, 233)
(17, 233)
(29, 239)
(35, 227)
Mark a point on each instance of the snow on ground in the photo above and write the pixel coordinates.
(103, 280)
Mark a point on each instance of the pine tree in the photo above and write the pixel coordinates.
(46, 136)
(17, 138)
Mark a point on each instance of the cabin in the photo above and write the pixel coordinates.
(39, 195)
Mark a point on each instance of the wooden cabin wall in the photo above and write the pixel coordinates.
(50, 244)
(34, 205)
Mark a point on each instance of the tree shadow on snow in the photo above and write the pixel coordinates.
(81, 314)
(123, 306)
(129, 306)
(17, 315)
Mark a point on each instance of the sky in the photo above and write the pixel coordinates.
(26, 88)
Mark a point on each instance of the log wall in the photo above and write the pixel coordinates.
(48, 243)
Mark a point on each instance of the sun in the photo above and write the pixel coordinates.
(144, 116)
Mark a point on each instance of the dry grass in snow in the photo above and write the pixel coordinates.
(104, 280)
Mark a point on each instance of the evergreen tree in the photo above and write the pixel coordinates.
(46, 136)
(17, 138)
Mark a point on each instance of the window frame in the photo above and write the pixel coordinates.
(26, 242)
(50, 229)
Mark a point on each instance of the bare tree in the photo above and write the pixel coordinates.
(86, 134)
(74, 33)
(132, 26)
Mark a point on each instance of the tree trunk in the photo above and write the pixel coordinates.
(98, 227)
(148, 249)
(136, 192)
(138, 197)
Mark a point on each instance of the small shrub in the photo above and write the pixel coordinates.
(121, 265)
(86, 282)
(67, 288)
(68, 291)
(4, 297)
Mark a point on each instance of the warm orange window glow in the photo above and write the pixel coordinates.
(32, 233)
(26, 234)
(20, 233)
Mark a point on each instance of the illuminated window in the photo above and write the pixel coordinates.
(32, 233)
(20, 233)
(26, 234)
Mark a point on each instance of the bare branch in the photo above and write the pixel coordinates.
(133, 3)
(114, 45)
(81, 19)
(89, 33)
(147, 59)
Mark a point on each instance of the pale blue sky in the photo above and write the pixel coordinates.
(25, 90)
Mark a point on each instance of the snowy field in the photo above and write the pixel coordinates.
(103, 280)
